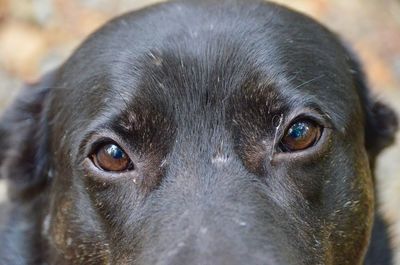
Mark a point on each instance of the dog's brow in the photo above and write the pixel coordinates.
(332, 124)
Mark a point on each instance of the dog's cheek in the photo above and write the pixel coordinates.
(75, 236)
(351, 219)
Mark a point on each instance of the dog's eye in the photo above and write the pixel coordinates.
(301, 135)
(111, 157)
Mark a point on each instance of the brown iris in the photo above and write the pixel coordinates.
(111, 157)
(301, 135)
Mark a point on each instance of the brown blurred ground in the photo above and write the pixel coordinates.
(37, 35)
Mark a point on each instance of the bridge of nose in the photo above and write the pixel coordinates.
(215, 211)
(232, 244)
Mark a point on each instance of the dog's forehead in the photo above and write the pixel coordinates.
(170, 58)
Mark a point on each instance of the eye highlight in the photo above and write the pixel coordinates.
(301, 135)
(110, 157)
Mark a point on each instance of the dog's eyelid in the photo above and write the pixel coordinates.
(312, 112)
(87, 145)
(94, 138)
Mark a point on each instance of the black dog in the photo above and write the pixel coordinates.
(197, 132)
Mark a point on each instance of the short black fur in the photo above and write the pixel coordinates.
(192, 90)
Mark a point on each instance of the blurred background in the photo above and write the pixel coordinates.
(38, 35)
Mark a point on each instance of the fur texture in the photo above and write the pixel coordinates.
(192, 91)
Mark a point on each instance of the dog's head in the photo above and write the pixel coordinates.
(200, 133)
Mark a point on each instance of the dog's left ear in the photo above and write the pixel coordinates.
(381, 127)
(381, 123)
(23, 141)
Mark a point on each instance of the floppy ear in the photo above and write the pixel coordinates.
(381, 122)
(381, 127)
(23, 141)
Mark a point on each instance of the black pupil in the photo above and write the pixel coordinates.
(115, 152)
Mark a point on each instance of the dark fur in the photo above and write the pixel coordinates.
(192, 91)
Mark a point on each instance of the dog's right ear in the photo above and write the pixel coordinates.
(23, 141)
(381, 122)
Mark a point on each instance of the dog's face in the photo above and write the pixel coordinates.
(212, 133)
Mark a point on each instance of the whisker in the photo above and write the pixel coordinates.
(310, 81)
